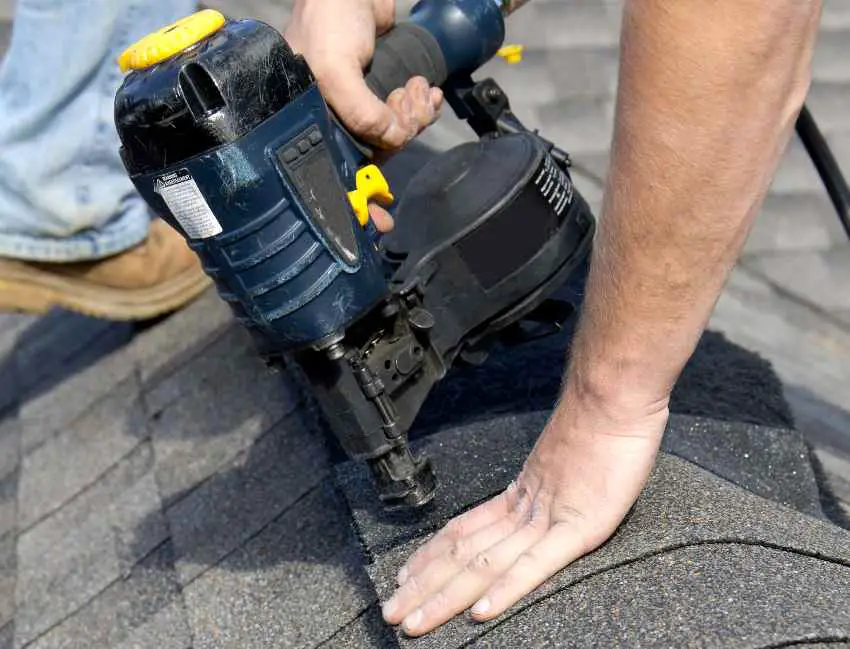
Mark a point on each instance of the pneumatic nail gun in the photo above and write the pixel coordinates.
(224, 132)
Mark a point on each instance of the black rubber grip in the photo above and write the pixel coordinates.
(406, 51)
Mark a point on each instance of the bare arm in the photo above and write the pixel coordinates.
(709, 92)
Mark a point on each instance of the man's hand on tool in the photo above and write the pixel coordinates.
(709, 93)
(337, 37)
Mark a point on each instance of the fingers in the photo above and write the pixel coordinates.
(415, 107)
(381, 218)
(465, 551)
(389, 125)
(468, 583)
(464, 525)
(529, 569)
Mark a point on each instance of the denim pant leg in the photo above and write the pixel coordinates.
(64, 194)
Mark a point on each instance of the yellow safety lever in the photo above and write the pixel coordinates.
(371, 185)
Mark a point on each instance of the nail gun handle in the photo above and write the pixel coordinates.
(405, 52)
(442, 38)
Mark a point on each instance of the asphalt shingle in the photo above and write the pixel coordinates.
(10, 444)
(683, 506)
(245, 495)
(9, 503)
(68, 463)
(368, 631)
(797, 221)
(281, 566)
(773, 463)
(60, 344)
(152, 353)
(73, 555)
(8, 570)
(130, 610)
(212, 409)
(716, 604)
(167, 629)
(293, 585)
(819, 276)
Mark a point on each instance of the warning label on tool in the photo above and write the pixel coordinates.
(188, 205)
(555, 186)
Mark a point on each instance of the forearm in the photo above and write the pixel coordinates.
(709, 93)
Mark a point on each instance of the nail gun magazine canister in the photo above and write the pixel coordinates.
(225, 135)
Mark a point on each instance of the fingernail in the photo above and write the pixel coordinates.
(389, 607)
(481, 607)
(412, 621)
(403, 574)
(436, 98)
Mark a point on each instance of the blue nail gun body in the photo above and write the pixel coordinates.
(226, 135)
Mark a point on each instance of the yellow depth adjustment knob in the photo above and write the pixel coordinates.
(371, 185)
(169, 41)
(511, 53)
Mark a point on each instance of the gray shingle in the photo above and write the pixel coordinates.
(154, 352)
(59, 571)
(716, 605)
(127, 612)
(293, 585)
(47, 414)
(836, 14)
(830, 56)
(827, 102)
(816, 277)
(582, 71)
(137, 520)
(73, 555)
(455, 459)
(575, 23)
(58, 470)
(771, 462)
(804, 348)
(167, 629)
(10, 444)
(9, 503)
(581, 125)
(796, 172)
(368, 631)
(8, 573)
(682, 506)
(245, 495)
(60, 343)
(797, 221)
(165, 347)
(212, 409)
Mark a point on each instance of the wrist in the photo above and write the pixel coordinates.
(614, 392)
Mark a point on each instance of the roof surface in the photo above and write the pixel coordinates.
(160, 489)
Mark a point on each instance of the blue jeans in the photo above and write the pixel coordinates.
(64, 194)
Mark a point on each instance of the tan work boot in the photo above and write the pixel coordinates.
(156, 277)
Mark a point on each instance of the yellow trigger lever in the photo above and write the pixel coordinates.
(371, 185)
